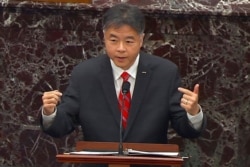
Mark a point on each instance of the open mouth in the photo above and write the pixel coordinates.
(120, 58)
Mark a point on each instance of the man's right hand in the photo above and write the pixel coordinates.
(50, 101)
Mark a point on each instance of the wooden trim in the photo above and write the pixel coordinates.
(87, 145)
(117, 160)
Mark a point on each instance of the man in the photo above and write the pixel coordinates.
(91, 99)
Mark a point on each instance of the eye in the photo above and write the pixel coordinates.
(129, 41)
(113, 40)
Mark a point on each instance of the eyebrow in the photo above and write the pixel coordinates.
(128, 37)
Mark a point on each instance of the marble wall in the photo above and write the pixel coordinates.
(208, 40)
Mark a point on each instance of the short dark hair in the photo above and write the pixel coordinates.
(124, 14)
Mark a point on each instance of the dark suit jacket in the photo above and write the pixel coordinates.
(90, 100)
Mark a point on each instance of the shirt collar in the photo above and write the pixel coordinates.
(117, 71)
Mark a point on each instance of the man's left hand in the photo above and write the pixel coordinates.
(189, 100)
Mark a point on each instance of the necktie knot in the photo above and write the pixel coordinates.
(125, 76)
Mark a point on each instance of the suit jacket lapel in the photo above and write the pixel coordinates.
(142, 80)
(107, 81)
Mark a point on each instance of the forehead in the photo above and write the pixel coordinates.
(122, 30)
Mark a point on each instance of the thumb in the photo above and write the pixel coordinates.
(196, 89)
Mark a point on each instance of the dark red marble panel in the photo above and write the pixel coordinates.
(40, 44)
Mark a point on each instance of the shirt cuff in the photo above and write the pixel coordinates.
(196, 120)
(48, 119)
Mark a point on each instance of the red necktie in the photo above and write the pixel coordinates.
(124, 101)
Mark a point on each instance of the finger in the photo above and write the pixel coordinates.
(52, 94)
(192, 97)
(185, 91)
(184, 101)
(50, 101)
(51, 98)
(58, 92)
(49, 107)
(196, 89)
(55, 92)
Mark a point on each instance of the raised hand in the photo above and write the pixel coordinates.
(50, 100)
(189, 100)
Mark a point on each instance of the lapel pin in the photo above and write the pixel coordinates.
(144, 72)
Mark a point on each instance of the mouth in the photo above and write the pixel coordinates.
(119, 58)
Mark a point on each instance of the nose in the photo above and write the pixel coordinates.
(121, 47)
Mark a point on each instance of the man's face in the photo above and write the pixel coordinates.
(122, 45)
